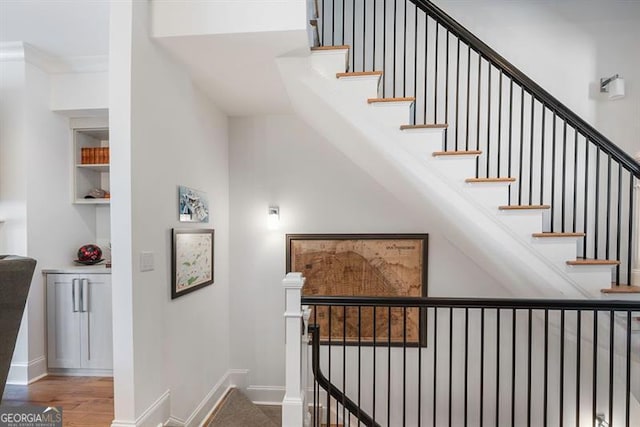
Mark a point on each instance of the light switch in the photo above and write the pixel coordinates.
(146, 261)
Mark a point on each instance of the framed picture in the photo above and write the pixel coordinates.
(385, 265)
(193, 205)
(191, 260)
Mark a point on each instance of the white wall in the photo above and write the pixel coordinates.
(169, 354)
(35, 198)
(279, 160)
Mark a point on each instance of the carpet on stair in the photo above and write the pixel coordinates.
(238, 411)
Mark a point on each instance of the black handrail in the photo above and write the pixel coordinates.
(508, 303)
(542, 95)
(337, 394)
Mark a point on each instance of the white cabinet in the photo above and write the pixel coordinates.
(91, 165)
(79, 326)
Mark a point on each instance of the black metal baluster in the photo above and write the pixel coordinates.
(478, 114)
(435, 72)
(619, 226)
(611, 358)
(594, 407)
(364, 36)
(546, 370)
(553, 172)
(353, 35)
(498, 365)
(420, 374)
(323, 26)
(531, 131)
(374, 35)
(510, 131)
(415, 64)
(488, 118)
(426, 63)
(561, 413)
(375, 351)
(344, 23)
(608, 218)
(630, 238)
(575, 181)
(389, 366)
(564, 175)
(450, 363)
(384, 47)
(481, 367)
(446, 93)
(466, 366)
(529, 351)
(404, 58)
(333, 22)
(513, 366)
(542, 138)
(404, 366)
(344, 362)
(395, 21)
(360, 358)
(329, 370)
(435, 365)
(628, 385)
(578, 363)
(521, 145)
(586, 198)
(597, 207)
(499, 122)
(466, 144)
(457, 89)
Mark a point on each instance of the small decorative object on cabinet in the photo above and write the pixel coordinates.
(91, 166)
(80, 337)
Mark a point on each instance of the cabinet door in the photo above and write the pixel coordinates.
(63, 321)
(97, 334)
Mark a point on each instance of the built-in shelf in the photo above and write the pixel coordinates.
(91, 170)
(98, 167)
(92, 201)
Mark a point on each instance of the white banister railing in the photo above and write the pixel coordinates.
(294, 405)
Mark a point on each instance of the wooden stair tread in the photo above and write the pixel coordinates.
(359, 74)
(315, 48)
(405, 99)
(621, 289)
(558, 234)
(582, 261)
(522, 207)
(457, 153)
(479, 180)
(431, 126)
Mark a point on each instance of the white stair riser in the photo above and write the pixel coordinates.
(558, 250)
(421, 145)
(457, 168)
(361, 87)
(330, 62)
(523, 223)
(391, 114)
(488, 195)
(591, 278)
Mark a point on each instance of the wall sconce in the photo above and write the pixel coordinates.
(601, 421)
(613, 85)
(274, 217)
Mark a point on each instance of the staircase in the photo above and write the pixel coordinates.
(520, 183)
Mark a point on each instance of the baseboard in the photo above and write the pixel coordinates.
(27, 373)
(154, 416)
(265, 395)
(234, 378)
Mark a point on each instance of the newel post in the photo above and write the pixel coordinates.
(293, 405)
(635, 273)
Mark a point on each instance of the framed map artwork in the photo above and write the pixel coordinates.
(383, 265)
(191, 260)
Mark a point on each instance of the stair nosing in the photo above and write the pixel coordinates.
(359, 74)
(523, 207)
(593, 262)
(430, 126)
(621, 289)
(457, 153)
(558, 235)
(320, 48)
(383, 100)
(488, 180)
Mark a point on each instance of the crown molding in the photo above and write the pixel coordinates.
(20, 51)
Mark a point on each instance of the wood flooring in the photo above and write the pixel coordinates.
(85, 401)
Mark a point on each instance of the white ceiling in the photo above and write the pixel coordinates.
(63, 28)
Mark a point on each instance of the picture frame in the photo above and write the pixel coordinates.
(192, 257)
(193, 205)
(365, 265)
